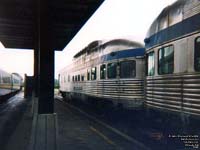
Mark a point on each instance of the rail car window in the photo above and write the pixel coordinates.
(64, 79)
(93, 73)
(150, 64)
(75, 78)
(58, 78)
(103, 71)
(166, 60)
(127, 69)
(112, 70)
(61, 79)
(88, 75)
(82, 77)
(197, 54)
(6, 79)
(79, 77)
(68, 78)
(15, 81)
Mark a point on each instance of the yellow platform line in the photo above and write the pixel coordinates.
(103, 136)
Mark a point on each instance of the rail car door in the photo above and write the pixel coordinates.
(129, 86)
(150, 72)
(119, 85)
(102, 82)
(112, 82)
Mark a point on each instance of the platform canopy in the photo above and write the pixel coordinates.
(19, 18)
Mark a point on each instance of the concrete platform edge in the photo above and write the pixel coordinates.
(44, 134)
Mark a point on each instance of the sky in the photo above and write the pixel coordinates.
(114, 19)
(14, 60)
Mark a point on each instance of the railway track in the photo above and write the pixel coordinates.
(111, 135)
(148, 130)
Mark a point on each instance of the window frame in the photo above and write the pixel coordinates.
(68, 78)
(104, 71)
(123, 61)
(79, 78)
(88, 74)
(93, 73)
(82, 77)
(116, 63)
(158, 64)
(76, 79)
(195, 53)
(147, 62)
(64, 79)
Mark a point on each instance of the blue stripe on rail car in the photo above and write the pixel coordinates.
(186, 26)
(123, 54)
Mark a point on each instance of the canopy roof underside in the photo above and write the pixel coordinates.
(18, 21)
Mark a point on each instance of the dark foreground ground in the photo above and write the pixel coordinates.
(76, 131)
(92, 127)
(155, 129)
(15, 123)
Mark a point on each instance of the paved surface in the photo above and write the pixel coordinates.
(4, 91)
(77, 132)
(156, 130)
(16, 122)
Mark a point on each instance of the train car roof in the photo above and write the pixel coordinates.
(116, 42)
(17, 75)
(9, 74)
(96, 45)
(4, 72)
(92, 46)
(172, 14)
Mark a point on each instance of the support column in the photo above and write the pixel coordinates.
(46, 81)
(44, 133)
(46, 61)
(36, 69)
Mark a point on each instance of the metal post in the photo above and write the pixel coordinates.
(46, 61)
(36, 67)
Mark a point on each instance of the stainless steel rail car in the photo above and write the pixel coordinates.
(17, 81)
(173, 59)
(9, 82)
(110, 71)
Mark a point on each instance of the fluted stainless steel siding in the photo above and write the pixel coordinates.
(174, 92)
(127, 89)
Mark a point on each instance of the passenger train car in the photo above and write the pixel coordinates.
(173, 59)
(9, 83)
(111, 71)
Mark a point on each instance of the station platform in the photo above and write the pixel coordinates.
(6, 94)
(75, 131)
(4, 91)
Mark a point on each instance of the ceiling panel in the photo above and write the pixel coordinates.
(18, 21)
